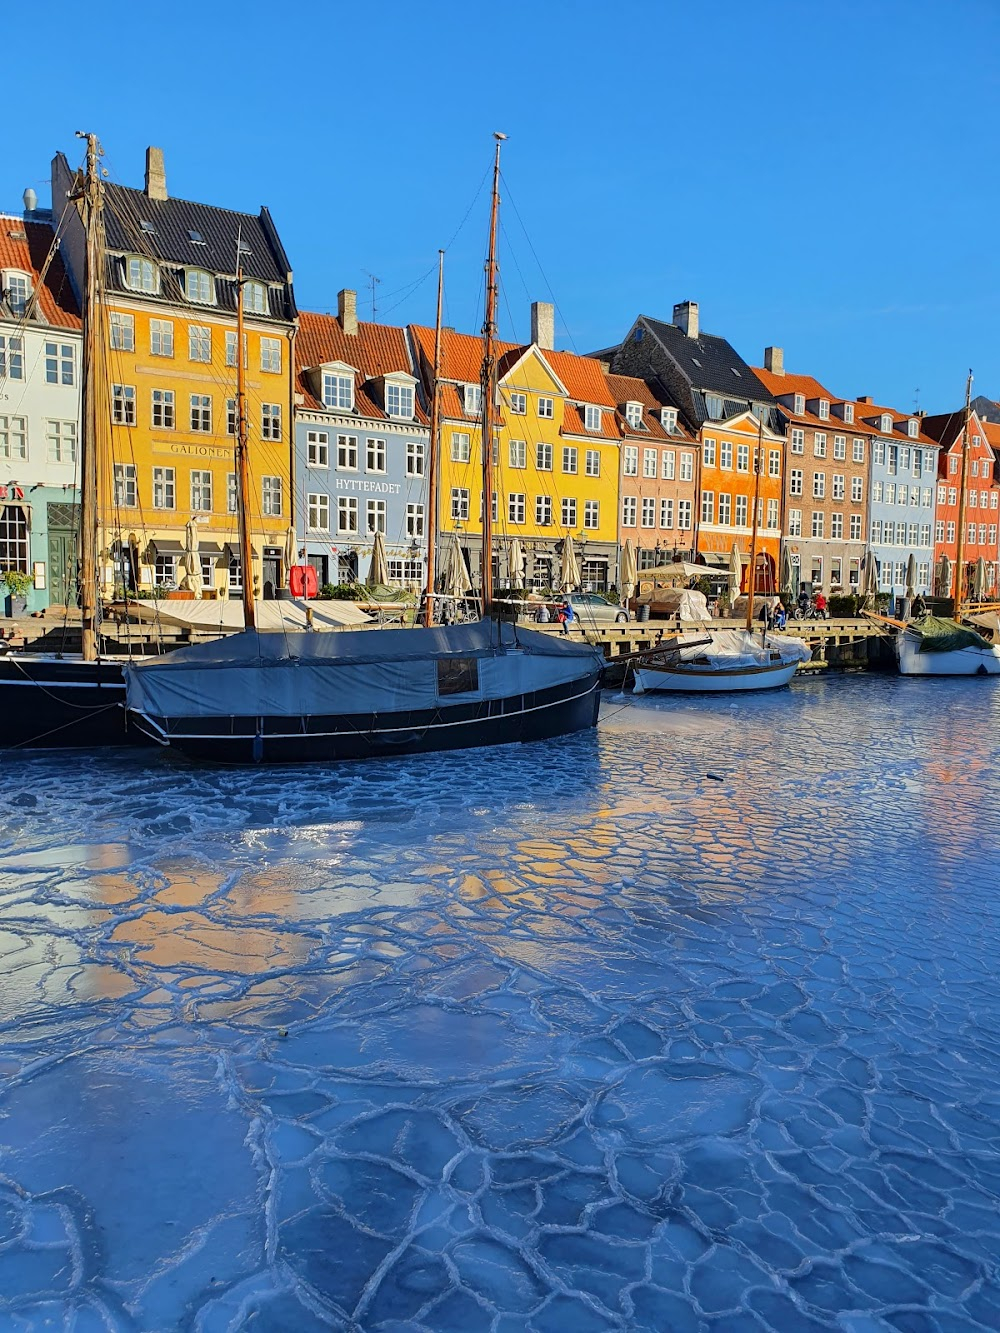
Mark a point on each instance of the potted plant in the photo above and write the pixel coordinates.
(17, 586)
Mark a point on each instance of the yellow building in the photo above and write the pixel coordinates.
(170, 350)
(555, 456)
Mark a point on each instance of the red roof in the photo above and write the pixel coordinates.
(25, 246)
(629, 389)
(375, 350)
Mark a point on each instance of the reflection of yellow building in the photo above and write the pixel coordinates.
(170, 347)
(555, 458)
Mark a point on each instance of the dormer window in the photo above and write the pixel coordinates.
(255, 298)
(592, 417)
(472, 396)
(399, 400)
(633, 415)
(199, 286)
(824, 409)
(886, 424)
(800, 404)
(713, 406)
(143, 275)
(338, 389)
(913, 428)
(849, 413)
(16, 291)
(668, 419)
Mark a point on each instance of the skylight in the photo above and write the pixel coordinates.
(147, 226)
(195, 237)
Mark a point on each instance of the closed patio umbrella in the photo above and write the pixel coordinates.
(628, 570)
(869, 584)
(456, 576)
(291, 552)
(735, 573)
(190, 559)
(911, 577)
(788, 573)
(569, 571)
(945, 574)
(980, 581)
(516, 563)
(378, 573)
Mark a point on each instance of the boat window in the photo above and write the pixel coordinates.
(458, 675)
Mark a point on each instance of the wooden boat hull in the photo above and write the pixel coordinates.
(699, 678)
(49, 702)
(543, 715)
(961, 662)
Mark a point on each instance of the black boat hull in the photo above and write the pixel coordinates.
(545, 714)
(62, 703)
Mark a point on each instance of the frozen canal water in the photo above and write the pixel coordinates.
(691, 1023)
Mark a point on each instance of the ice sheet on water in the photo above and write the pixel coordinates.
(567, 1036)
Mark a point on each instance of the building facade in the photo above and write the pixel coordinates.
(741, 459)
(825, 494)
(361, 448)
(170, 349)
(555, 456)
(982, 498)
(40, 363)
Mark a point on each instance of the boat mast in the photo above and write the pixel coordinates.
(489, 383)
(90, 196)
(759, 449)
(432, 455)
(242, 453)
(960, 552)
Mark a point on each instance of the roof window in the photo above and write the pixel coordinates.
(195, 237)
(147, 227)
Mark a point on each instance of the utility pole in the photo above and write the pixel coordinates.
(373, 282)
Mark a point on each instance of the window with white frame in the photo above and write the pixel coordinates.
(878, 452)
(270, 355)
(819, 485)
(230, 416)
(199, 343)
(122, 331)
(857, 451)
(270, 496)
(668, 419)
(857, 489)
(799, 406)
(824, 409)
(668, 464)
(318, 506)
(648, 512)
(201, 491)
(318, 448)
(543, 457)
(708, 506)
(649, 462)
(201, 412)
(338, 391)
(461, 446)
(546, 408)
(708, 453)
(819, 444)
(798, 440)
(855, 527)
(165, 570)
(230, 492)
(199, 286)
(742, 458)
(543, 510)
(593, 463)
(837, 525)
(123, 404)
(633, 415)
(666, 512)
(375, 455)
(713, 406)
(60, 439)
(592, 417)
(415, 456)
(928, 460)
(925, 534)
(414, 520)
(774, 462)
(890, 532)
(347, 514)
(126, 486)
(591, 513)
(684, 515)
(725, 510)
(818, 522)
(254, 298)
(839, 486)
(885, 424)
(726, 455)
(515, 507)
(630, 511)
(405, 571)
(951, 531)
(399, 400)
(472, 399)
(270, 421)
(876, 531)
(742, 510)
(569, 459)
(59, 363)
(347, 452)
(142, 275)
(517, 453)
(840, 446)
(630, 460)
(164, 488)
(11, 358)
(234, 574)
(687, 467)
(519, 404)
(568, 512)
(161, 337)
(795, 522)
(849, 413)
(208, 567)
(459, 504)
(795, 481)
(926, 496)
(913, 428)
(772, 513)
(375, 516)
(231, 348)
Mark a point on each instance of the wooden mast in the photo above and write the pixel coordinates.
(960, 552)
(242, 454)
(90, 196)
(432, 455)
(489, 383)
(758, 450)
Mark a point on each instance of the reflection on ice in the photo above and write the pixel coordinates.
(564, 1037)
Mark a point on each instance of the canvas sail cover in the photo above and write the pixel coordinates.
(299, 673)
(944, 636)
(734, 648)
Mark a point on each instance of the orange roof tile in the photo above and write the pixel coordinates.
(630, 389)
(25, 246)
(375, 350)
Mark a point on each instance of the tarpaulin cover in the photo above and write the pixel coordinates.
(735, 647)
(944, 636)
(299, 673)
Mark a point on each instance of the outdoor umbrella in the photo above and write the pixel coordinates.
(945, 573)
(911, 577)
(735, 573)
(291, 550)
(456, 577)
(378, 573)
(628, 570)
(516, 562)
(980, 581)
(190, 559)
(787, 573)
(569, 572)
(870, 584)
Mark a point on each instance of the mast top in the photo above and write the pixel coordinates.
(498, 136)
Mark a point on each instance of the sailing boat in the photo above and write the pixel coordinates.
(299, 696)
(728, 660)
(57, 700)
(930, 645)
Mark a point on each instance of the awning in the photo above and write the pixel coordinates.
(714, 559)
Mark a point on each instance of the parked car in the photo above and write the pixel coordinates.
(592, 608)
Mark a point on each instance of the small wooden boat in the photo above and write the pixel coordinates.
(732, 660)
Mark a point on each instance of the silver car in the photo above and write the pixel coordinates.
(592, 608)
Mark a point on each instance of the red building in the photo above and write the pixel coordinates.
(982, 503)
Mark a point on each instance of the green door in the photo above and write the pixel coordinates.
(61, 568)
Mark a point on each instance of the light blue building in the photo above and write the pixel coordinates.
(361, 447)
(902, 495)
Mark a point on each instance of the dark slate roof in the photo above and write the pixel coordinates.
(710, 364)
(986, 408)
(168, 241)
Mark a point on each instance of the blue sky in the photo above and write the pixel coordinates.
(823, 176)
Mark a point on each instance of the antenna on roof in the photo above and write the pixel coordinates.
(916, 401)
(373, 282)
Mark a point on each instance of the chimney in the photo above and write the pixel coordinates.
(347, 310)
(156, 175)
(863, 398)
(686, 317)
(543, 325)
(774, 360)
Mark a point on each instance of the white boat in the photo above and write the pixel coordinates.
(731, 660)
(934, 647)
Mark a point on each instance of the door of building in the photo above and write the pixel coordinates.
(62, 521)
(272, 572)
